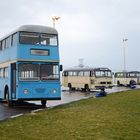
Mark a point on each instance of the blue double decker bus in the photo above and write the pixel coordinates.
(29, 65)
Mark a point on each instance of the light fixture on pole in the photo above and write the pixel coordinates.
(54, 18)
(124, 46)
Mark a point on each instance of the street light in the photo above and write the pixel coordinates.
(124, 46)
(54, 18)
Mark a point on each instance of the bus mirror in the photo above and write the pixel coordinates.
(112, 73)
(61, 68)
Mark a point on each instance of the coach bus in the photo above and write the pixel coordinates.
(87, 78)
(127, 78)
(29, 65)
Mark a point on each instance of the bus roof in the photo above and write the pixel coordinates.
(134, 72)
(33, 28)
(128, 72)
(88, 69)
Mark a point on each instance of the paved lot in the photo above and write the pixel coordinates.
(67, 96)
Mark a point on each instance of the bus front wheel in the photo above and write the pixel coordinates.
(9, 102)
(43, 103)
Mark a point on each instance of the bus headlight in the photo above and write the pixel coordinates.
(54, 91)
(26, 91)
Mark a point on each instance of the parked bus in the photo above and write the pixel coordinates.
(87, 78)
(127, 78)
(29, 65)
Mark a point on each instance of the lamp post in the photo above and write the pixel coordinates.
(124, 46)
(54, 18)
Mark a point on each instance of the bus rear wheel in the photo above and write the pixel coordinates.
(43, 103)
(118, 83)
(87, 88)
(70, 87)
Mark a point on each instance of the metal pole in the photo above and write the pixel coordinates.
(53, 22)
(124, 55)
(124, 68)
(54, 18)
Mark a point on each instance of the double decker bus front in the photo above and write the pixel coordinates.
(38, 64)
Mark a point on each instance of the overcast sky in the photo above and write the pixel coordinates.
(88, 29)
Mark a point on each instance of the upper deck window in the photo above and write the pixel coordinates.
(14, 39)
(3, 44)
(0, 45)
(29, 38)
(36, 39)
(48, 39)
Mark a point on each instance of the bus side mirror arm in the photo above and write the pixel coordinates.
(61, 68)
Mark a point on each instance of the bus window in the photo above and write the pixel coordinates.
(48, 39)
(108, 74)
(0, 45)
(87, 73)
(138, 74)
(6, 42)
(65, 73)
(28, 72)
(81, 73)
(49, 72)
(98, 74)
(103, 73)
(1, 73)
(74, 73)
(29, 38)
(14, 40)
(5, 73)
(70, 73)
(132, 74)
(3, 44)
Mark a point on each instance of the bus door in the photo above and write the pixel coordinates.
(13, 80)
(138, 80)
(65, 78)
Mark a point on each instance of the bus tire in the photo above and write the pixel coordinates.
(70, 86)
(9, 102)
(87, 88)
(132, 82)
(118, 83)
(43, 103)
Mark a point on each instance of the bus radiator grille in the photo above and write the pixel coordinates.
(40, 90)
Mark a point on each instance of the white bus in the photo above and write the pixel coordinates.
(127, 78)
(87, 78)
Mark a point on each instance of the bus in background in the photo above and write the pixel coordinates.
(127, 78)
(87, 78)
(29, 65)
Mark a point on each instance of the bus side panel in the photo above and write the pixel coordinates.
(5, 82)
(79, 81)
(8, 54)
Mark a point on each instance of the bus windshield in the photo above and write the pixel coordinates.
(102, 73)
(133, 74)
(36, 72)
(49, 72)
(38, 39)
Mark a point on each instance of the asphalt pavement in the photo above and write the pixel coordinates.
(67, 97)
